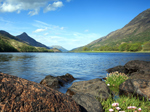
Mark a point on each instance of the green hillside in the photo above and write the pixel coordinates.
(135, 36)
(9, 43)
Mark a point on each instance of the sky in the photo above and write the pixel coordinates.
(68, 23)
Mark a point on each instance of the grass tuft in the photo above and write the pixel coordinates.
(115, 79)
(124, 103)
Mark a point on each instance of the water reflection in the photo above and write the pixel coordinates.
(5, 57)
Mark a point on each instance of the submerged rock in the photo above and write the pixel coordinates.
(57, 82)
(17, 94)
(138, 87)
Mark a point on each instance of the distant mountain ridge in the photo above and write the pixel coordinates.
(137, 30)
(24, 37)
(59, 47)
(10, 43)
(6, 34)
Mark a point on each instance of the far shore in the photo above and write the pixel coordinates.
(111, 52)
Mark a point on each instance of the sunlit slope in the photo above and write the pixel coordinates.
(136, 31)
(10, 43)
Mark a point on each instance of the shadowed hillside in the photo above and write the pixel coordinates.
(30, 41)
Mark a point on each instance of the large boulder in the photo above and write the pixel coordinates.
(95, 87)
(137, 65)
(88, 102)
(140, 75)
(138, 87)
(87, 94)
(136, 69)
(20, 95)
(120, 69)
(57, 82)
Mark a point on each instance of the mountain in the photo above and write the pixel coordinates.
(30, 40)
(10, 43)
(135, 33)
(6, 34)
(60, 48)
(56, 50)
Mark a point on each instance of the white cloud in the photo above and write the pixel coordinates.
(54, 6)
(34, 12)
(46, 33)
(4, 20)
(86, 30)
(33, 6)
(62, 28)
(39, 30)
(56, 35)
(7, 7)
(53, 29)
(68, 40)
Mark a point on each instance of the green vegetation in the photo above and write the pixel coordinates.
(26, 48)
(133, 42)
(124, 47)
(135, 47)
(127, 47)
(115, 79)
(43, 49)
(146, 46)
(127, 104)
(11, 45)
(123, 103)
(6, 47)
(85, 49)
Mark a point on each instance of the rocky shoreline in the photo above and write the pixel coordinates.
(17, 94)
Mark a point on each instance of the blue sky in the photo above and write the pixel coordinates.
(68, 23)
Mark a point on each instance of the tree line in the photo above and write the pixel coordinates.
(132, 47)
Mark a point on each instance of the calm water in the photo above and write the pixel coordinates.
(83, 66)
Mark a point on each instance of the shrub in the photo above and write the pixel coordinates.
(115, 79)
(135, 47)
(124, 47)
(146, 46)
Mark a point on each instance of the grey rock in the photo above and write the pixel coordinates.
(136, 69)
(88, 102)
(57, 82)
(137, 87)
(120, 69)
(95, 87)
(137, 65)
(140, 75)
